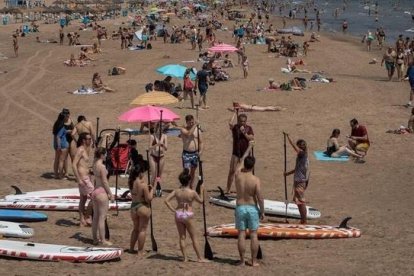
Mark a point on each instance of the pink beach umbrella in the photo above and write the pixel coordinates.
(148, 113)
(223, 48)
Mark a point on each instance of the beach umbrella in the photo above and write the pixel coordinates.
(148, 113)
(223, 48)
(154, 98)
(174, 70)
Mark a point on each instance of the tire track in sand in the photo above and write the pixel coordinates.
(39, 74)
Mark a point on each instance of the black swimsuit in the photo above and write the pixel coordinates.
(69, 137)
(330, 150)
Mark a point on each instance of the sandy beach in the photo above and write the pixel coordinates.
(376, 194)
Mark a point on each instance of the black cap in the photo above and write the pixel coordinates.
(65, 111)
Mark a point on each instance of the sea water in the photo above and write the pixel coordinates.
(394, 16)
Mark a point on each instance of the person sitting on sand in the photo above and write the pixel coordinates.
(100, 198)
(142, 195)
(116, 70)
(314, 37)
(96, 49)
(333, 149)
(358, 140)
(242, 107)
(227, 63)
(72, 61)
(98, 85)
(184, 214)
(83, 56)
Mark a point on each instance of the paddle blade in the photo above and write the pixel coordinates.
(154, 243)
(208, 253)
(158, 190)
(107, 234)
(259, 253)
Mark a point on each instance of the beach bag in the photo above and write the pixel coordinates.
(149, 46)
(188, 84)
(286, 86)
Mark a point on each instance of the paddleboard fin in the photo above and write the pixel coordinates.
(17, 190)
(222, 195)
(344, 223)
(124, 195)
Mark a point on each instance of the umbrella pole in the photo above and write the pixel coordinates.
(158, 190)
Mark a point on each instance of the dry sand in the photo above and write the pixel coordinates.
(376, 194)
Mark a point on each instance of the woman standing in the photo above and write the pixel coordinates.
(400, 61)
(142, 195)
(185, 197)
(100, 198)
(157, 149)
(61, 146)
(188, 88)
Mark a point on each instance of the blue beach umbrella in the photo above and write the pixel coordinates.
(175, 71)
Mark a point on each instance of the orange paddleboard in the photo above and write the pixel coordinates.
(289, 231)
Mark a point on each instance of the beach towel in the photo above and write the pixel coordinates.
(85, 91)
(79, 63)
(83, 45)
(321, 156)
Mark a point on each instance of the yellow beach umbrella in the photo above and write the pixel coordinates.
(154, 98)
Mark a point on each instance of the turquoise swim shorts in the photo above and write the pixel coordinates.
(247, 217)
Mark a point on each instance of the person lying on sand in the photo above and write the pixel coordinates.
(98, 85)
(74, 62)
(45, 41)
(403, 129)
(83, 56)
(248, 107)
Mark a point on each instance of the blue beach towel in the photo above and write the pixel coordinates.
(319, 155)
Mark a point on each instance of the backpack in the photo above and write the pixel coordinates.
(149, 46)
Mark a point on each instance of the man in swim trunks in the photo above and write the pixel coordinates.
(201, 82)
(358, 140)
(80, 167)
(192, 146)
(242, 134)
(389, 59)
(247, 214)
(300, 178)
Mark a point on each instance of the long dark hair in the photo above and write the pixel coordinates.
(138, 169)
(335, 132)
(185, 177)
(82, 137)
(60, 121)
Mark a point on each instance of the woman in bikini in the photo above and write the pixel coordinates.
(157, 149)
(84, 126)
(333, 148)
(142, 195)
(400, 61)
(98, 85)
(184, 212)
(100, 198)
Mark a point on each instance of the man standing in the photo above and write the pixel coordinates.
(192, 146)
(358, 141)
(242, 134)
(15, 45)
(300, 178)
(80, 167)
(201, 83)
(247, 214)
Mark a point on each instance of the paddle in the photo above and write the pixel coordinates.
(153, 242)
(259, 251)
(97, 131)
(208, 253)
(284, 174)
(158, 190)
(117, 152)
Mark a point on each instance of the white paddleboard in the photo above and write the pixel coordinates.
(72, 193)
(54, 252)
(53, 204)
(138, 34)
(15, 230)
(276, 208)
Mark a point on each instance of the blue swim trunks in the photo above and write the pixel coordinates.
(247, 217)
(190, 159)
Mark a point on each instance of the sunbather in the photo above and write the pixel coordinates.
(248, 107)
(98, 85)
